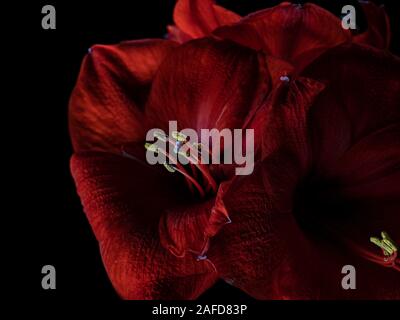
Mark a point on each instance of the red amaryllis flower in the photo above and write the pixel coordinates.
(295, 33)
(328, 188)
(264, 233)
(154, 233)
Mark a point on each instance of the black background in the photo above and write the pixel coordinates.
(50, 220)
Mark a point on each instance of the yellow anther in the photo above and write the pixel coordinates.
(169, 167)
(198, 145)
(387, 250)
(179, 136)
(151, 147)
(386, 244)
(160, 136)
(389, 241)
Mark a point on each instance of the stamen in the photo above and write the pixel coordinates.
(177, 141)
(195, 160)
(169, 167)
(151, 147)
(389, 248)
(389, 241)
(177, 146)
(201, 147)
(198, 145)
(179, 136)
(195, 183)
(202, 168)
(386, 249)
(386, 244)
(160, 136)
(179, 168)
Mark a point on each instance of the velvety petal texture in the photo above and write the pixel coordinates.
(188, 230)
(325, 108)
(378, 30)
(248, 251)
(106, 105)
(352, 108)
(281, 122)
(207, 84)
(123, 202)
(303, 223)
(198, 18)
(292, 32)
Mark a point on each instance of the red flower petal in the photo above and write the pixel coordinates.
(189, 229)
(282, 118)
(378, 32)
(353, 190)
(268, 253)
(106, 105)
(297, 34)
(198, 18)
(247, 251)
(358, 100)
(357, 158)
(176, 34)
(372, 157)
(123, 202)
(241, 251)
(282, 121)
(293, 229)
(208, 83)
(182, 231)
